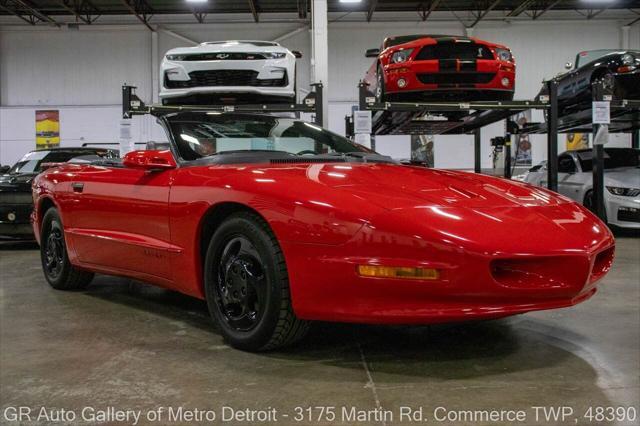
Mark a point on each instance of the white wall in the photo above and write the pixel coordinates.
(80, 72)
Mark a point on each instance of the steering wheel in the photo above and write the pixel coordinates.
(307, 152)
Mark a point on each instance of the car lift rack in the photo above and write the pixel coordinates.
(420, 118)
(312, 103)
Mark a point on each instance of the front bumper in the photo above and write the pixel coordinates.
(427, 77)
(486, 270)
(623, 212)
(179, 71)
(15, 220)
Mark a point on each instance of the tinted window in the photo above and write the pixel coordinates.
(200, 135)
(613, 158)
(566, 164)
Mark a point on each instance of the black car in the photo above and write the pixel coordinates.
(618, 70)
(16, 201)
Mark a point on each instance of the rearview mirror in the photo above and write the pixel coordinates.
(152, 160)
(372, 53)
(297, 53)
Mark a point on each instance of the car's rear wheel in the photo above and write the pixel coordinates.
(380, 89)
(247, 286)
(58, 271)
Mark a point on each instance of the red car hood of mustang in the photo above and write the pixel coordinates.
(393, 187)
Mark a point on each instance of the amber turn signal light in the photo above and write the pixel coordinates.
(398, 272)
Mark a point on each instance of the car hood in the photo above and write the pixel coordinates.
(246, 47)
(628, 177)
(16, 182)
(391, 186)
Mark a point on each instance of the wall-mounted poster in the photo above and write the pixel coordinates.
(422, 149)
(577, 141)
(521, 149)
(47, 129)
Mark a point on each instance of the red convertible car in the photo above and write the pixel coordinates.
(441, 67)
(276, 222)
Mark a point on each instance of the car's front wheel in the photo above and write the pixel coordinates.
(247, 286)
(58, 271)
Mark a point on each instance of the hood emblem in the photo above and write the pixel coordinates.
(222, 55)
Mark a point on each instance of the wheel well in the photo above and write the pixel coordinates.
(213, 218)
(45, 205)
(598, 74)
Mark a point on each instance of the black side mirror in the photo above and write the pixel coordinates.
(297, 53)
(4, 169)
(372, 53)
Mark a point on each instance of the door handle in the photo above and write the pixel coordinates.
(77, 186)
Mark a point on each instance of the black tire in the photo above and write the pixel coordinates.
(58, 271)
(380, 89)
(247, 286)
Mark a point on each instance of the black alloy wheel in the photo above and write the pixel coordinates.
(247, 285)
(58, 270)
(241, 284)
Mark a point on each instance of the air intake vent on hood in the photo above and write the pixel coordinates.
(307, 160)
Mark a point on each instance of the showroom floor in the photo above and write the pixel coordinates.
(129, 345)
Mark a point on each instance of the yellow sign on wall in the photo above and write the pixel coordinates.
(47, 129)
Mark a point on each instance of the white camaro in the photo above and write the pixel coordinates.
(241, 71)
(621, 181)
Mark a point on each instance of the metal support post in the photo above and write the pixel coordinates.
(552, 136)
(477, 151)
(319, 106)
(507, 157)
(635, 139)
(597, 160)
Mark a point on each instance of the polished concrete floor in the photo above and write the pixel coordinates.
(134, 347)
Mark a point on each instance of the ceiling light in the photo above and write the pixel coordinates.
(196, 1)
(350, 1)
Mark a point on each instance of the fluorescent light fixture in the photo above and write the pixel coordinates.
(350, 1)
(196, 1)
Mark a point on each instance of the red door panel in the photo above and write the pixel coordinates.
(121, 220)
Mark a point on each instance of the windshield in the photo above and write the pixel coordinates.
(32, 161)
(199, 135)
(613, 158)
(591, 55)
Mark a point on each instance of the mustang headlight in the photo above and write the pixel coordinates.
(401, 56)
(504, 55)
(625, 192)
(274, 55)
(176, 57)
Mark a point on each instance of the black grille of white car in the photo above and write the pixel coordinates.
(225, 78)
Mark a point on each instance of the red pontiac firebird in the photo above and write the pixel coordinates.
(276, 222)
(441, 67)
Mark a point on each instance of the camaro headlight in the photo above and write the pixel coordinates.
(401, 56)
(176, 57)
(274, 55)
(625, 192)
(628, 59)
(504, 55)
